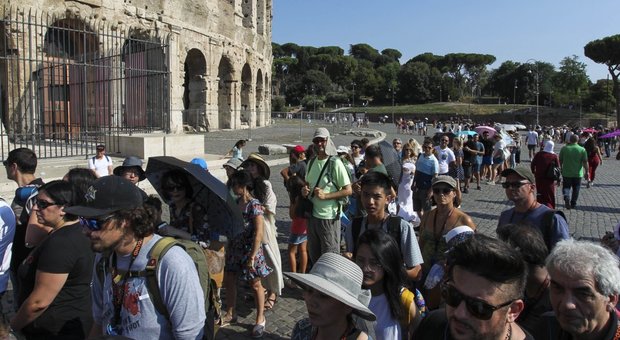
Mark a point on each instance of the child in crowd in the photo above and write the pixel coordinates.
(299, 228)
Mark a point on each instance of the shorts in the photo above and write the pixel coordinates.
(467, 170)
(476, 167)
(297, 238)
(531, 146)
(421, 202)
(487, 160)
(498, 160)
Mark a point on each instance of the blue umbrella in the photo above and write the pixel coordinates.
(466, 133)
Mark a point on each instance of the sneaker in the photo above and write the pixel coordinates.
(567, 203)
(491, 183)
(588, 185)
(478, 188)
(465, 191)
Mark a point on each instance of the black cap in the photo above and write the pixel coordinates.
(106, 195)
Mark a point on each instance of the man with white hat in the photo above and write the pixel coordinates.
(327, 183)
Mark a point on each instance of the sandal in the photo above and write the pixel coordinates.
(270, 303)
(227, 320)
(259, 329)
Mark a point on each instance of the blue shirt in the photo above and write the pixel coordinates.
(7, 223)
(427, 164)
(559, 226)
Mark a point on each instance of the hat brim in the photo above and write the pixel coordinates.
(333, 291)
(119, 169)
(88, 212)
(260, 163)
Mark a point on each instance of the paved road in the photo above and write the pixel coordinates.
(597, 211)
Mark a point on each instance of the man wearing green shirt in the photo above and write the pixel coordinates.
(325, 190)
(574, 162)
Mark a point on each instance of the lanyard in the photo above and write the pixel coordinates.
(118, 291)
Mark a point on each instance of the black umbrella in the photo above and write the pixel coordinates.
(391, 161)
(210, 193)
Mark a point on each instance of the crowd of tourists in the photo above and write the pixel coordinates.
(378, 254)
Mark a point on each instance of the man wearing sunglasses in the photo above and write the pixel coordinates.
(118, 225)
(520, 188)
(483, 294)
(427, 168)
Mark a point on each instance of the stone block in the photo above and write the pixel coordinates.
(272, 149)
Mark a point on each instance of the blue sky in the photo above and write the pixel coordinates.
(545, 30)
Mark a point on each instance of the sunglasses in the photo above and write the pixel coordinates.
(478, 308)
(94, 224)
(515, 185)
(443, 191)
(43, 204)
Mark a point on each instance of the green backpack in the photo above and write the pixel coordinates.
(209, 288)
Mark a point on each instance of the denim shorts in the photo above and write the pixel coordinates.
(297, 239)
(487, 160)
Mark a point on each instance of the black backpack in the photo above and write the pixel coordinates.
(393, 229)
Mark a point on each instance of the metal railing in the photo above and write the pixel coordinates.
(67, 84)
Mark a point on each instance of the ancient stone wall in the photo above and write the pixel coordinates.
(218, 57)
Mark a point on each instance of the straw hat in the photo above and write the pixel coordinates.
(258, 160)
(338, 278)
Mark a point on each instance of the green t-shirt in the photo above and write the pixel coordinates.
(335, 180)
(381, 169)
(572, 157)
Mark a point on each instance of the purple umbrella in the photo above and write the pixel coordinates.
(611, 134)
(483, 129)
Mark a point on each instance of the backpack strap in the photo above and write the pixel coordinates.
(150, 272)
(547, 225)
(393, 228)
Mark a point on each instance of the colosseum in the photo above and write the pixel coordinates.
(77, 73)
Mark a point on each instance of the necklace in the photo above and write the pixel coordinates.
(509, 335)
(118, 291)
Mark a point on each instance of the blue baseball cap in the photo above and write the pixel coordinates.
(200, 161)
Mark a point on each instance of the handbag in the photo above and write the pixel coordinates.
(554, 172)
(305, 205)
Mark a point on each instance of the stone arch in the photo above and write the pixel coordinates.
(143, 60)
(247, 10)
(260, 108)
(71, 38)
(195, 90)
(247, 113)
(68, 91)
(225, 93)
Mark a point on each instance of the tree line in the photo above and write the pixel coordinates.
(326, 76)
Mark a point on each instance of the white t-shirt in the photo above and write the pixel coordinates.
(531, 138)
(386, 327)
(100, 165)
(444, 157)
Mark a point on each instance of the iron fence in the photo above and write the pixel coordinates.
(67, 84)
